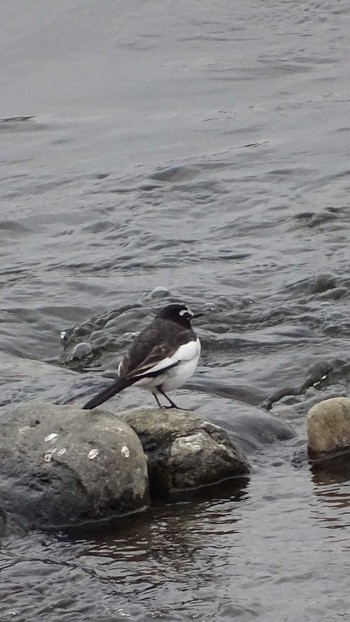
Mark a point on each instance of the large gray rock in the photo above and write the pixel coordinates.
(328, 427)
(62, 466)
(184, 451)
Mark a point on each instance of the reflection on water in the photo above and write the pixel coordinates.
(163, 562)
(332, 490)
(201, 560)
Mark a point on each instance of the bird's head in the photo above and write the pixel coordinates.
(179, 313)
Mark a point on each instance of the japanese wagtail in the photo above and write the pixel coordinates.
(162, 357)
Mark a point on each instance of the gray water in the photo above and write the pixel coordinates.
(197, 151)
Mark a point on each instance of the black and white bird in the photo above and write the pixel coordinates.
(162, 358)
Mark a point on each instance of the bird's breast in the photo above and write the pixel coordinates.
(187, 355)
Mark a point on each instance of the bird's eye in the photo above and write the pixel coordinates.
(183, 313)
(186, 313)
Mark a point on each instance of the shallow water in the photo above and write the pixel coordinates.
(192, 151)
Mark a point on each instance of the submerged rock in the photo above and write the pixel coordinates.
(61, 466)
(252, 428)
(328, 428)
(184, 451)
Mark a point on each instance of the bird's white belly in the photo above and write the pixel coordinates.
(175, 377)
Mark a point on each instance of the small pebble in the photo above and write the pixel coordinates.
(159, 292)
(81, 350)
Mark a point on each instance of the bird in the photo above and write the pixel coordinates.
(162, 357)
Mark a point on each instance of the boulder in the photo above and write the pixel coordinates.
(251, 428)
(328, 427)
(62, 467)
(184, 451)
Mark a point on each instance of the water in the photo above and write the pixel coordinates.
(201, 148)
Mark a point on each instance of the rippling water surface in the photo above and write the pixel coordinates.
(195, 151)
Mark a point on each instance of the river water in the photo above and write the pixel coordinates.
(197, 151)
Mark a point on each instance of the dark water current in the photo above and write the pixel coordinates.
(199, 151)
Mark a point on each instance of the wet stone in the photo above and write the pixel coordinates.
(328, 427)
(184, 451)
(61, 466)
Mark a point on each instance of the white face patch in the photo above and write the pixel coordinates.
(186, 312)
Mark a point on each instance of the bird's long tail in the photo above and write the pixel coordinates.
(106, 394)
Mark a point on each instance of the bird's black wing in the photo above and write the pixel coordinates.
(153, 350)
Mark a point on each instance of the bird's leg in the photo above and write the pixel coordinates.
(158, 402)
(173, 405)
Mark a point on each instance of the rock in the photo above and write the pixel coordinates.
(252, 428)
(184, 451)
(61, 466)
(328, 427)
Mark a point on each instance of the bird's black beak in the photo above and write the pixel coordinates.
(197, 315)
